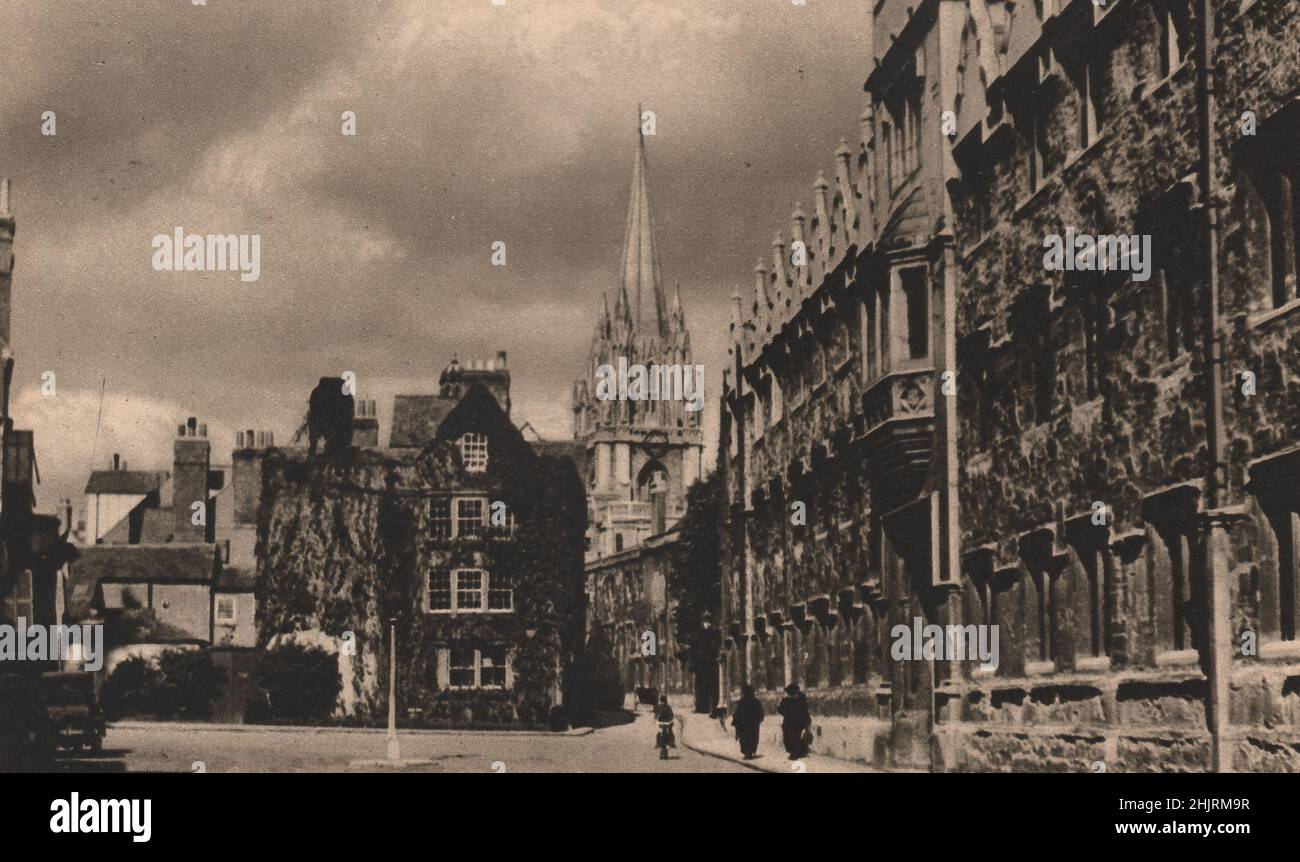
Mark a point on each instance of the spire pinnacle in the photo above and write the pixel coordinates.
(641, 282)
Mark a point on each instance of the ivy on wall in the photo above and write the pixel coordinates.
(345, 543)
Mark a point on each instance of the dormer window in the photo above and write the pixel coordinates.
(474, 452)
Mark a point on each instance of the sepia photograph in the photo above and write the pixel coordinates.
(435, 387)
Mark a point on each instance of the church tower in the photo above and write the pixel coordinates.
(642, 454)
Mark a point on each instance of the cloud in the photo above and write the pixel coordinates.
(475, 122)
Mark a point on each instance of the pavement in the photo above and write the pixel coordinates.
(195, 748)
(707, 736)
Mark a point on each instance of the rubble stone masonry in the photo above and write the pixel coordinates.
(921, 420)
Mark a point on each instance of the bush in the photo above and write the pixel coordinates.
(594, 682)
(191, 684)
(301, 683)
(134, 688)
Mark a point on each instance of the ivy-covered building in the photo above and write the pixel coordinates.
(462, 533)
(926, 421)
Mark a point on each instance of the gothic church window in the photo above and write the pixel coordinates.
(1275, 163)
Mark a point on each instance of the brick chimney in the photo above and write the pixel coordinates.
(365, 424)
(192, 457)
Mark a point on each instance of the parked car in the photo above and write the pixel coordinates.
(73, 718)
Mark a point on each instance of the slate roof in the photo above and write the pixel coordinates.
(122, 482)
(155, 563)
(416, 419)
(236, 580)
(574, 450)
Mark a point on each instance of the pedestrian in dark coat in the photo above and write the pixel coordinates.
(748, 717)
(796, 722)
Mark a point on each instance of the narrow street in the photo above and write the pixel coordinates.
(159, 748)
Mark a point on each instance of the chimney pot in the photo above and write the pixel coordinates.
(192, 424)
(180, 430)
(239, 439)
(203, 430)
(270, 438)
(117, 461)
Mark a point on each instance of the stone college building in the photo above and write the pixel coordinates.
(928, 423)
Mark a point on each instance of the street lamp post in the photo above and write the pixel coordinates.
(394, 750)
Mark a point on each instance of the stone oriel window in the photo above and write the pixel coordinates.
(874, 310)
(908, 327)
(915, 292)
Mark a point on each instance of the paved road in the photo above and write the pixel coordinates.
(625, 748)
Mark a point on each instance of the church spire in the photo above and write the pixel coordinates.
(641, 283)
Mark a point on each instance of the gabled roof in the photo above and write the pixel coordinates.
(416, 419)
(122, 482)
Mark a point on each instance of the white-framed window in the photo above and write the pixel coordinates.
(440, 523)
(477, 667)
(227, 610)
(470, 516)
(463, 667)
(474, 451)
(464, 518)
(501, 593)
(439, 593)
(469, 591)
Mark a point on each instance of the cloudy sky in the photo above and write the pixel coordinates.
(475, 123)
